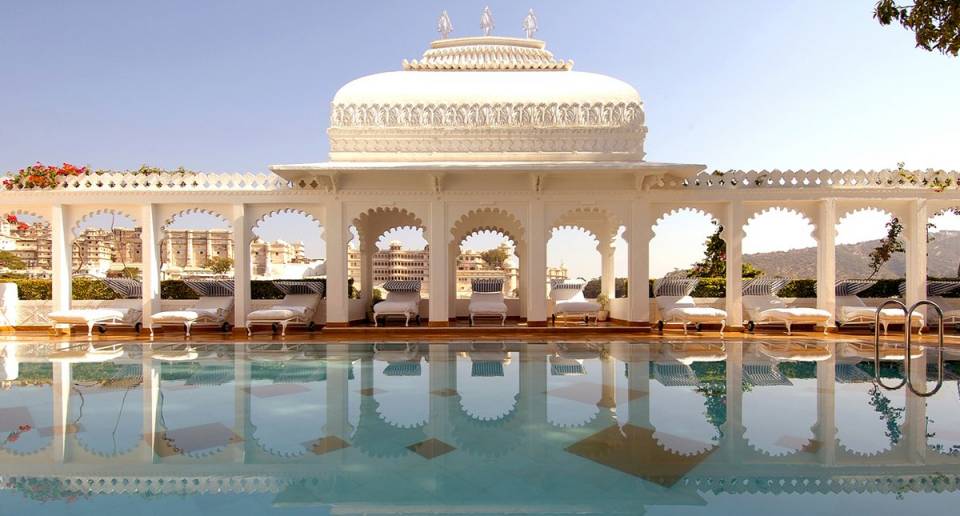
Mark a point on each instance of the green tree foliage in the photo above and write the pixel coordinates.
(889, 245)
(714, 263)
(219, 265)
(935, 23)
(11, 261)
(592, 289)
(494, 258)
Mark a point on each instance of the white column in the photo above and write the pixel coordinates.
(640, 231)
(150, 240)
(915, 229)
(61, 256)
(151, 404)
(733, 236)
(439, 277)
(608, 280)
(61, 384)
(334, 234)
(537, 255)
(241, 265)
(825, 431)
(366, 271)
(827, 256)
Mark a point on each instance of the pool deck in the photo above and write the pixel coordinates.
(512, 332)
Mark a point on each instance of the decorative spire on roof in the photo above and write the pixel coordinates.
(444, 25)
(487, 53)
(530, 24)
(486, 21)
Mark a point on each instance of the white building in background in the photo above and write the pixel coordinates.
(399, 263)
(487, 134)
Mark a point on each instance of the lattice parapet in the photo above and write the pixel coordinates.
(931, 179)
(124, 181)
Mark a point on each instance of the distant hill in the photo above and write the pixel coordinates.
(943, 257)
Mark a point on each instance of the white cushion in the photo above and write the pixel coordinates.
(221, 304)
(887, 314)
(303, 300)
(666, 303)
(85, 315)
(275, 314)
(695, 314)
(397, 307)
(186, 315)
(484, 302)
(795, 314)
(566, 307)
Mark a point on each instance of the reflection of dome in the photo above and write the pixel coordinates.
(487, 98)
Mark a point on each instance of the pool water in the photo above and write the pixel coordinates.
(686, 427)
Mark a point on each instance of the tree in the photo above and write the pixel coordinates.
(494, 258)
(889, 245)
(935, 23)
(11, 261)
(219, 265)
(714, 263)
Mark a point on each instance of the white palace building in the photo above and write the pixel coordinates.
(479, 134)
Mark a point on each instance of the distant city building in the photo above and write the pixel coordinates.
(102, 252)
(398, 263)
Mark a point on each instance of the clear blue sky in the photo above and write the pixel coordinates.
(239, 85)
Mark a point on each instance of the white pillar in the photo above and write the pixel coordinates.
(827, 256)
(915, 229)
(241, 265)
(366, 271)
(334, 234)
(537, 255)
(61, 384)
(439, 289)
(150, 241)
(151, 404)
(733, 236)
(825, 431)
(61, 256)
(640, 231)
(608, 279)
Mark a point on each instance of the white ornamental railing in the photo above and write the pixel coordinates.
(931, 179)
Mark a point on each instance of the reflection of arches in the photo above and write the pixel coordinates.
(110, 425)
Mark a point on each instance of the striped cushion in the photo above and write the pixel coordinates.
(567, 285)
(125, 288)
(674, 286)
(764, 286)
(211, 288)
(401, 286)
(934, 288)
(487, 285)
(301, 286)
(853, 287)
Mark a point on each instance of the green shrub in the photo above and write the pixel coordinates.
(176, 289)
(800, 288)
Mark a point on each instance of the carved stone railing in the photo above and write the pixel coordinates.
(182, 182)
(931, 179)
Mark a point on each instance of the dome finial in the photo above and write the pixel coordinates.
(486, 21)
(530, 24)
(444, 25)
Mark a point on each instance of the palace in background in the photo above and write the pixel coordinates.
(399, 263)
(100, 252)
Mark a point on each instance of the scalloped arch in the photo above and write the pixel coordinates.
(103, 211)
(194, 211)
(286, 211)
(863, 209)
(487, 219)
(374, 222)
(664, 213)
(598, 223)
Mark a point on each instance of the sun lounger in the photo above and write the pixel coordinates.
(851, 310)
(486, 300)
(9, 362)
(124, 311)
(209, 311)
(676, 306)
(764, 307)
(292, 309)
(403, 299)
(86, 354)
(568, 300)
(795, 352)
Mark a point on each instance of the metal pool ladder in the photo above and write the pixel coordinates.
(907, 380)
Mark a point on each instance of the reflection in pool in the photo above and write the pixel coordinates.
(486, 427)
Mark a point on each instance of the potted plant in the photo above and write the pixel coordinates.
(604, 312)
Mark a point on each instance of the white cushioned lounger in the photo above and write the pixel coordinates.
(852, 310)
(207, 311)
(292, 309)
(117, 315)
(567, 297)
(403, 299)
(770, 309)
(486, 300)
(684, 310)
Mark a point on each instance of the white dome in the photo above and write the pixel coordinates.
(487, 98)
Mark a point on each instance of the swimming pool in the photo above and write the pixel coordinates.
(793, 426)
